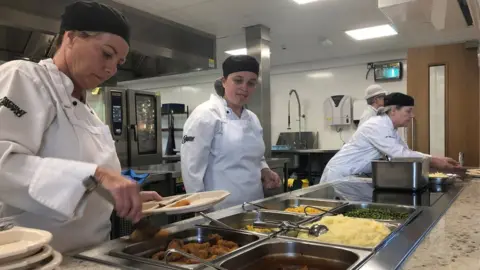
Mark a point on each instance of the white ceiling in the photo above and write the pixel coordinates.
(297, 28)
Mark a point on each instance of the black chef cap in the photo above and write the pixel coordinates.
(399, 99)
(238, 63)
(95, 17)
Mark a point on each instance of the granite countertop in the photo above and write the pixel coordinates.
(70, 263)
(454, 242)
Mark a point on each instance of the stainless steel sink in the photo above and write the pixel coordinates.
(288, 254)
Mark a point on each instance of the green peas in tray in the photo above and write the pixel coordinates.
(373, 213)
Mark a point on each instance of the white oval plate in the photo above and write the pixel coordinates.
(165, 201)
(51, 263)
(25, 263)
(19, 242)
(198, 202)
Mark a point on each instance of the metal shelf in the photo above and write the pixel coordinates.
(165, 114)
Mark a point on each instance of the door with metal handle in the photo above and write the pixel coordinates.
(135, 134)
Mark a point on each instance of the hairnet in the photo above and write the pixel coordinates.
(95, 17)
(219, 87)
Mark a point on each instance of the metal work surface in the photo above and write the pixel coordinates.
(390, 254)
(305, 151)
(276, 162)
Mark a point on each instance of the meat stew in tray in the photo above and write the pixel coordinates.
(215, 247)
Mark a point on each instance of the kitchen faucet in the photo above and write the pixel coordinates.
(300, 116)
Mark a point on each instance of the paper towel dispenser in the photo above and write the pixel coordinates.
(338, 110)
(359, 107)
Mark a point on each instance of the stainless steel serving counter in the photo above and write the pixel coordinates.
(390, 255)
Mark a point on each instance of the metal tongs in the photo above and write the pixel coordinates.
(252, 204)
(314, 230)
(190, 256)
(320, 209)
(217, 222)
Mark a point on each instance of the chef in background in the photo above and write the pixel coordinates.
(54, 150)
(377, 138)
(374, 95)
(223, 146)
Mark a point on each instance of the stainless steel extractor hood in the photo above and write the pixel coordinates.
(158, 47)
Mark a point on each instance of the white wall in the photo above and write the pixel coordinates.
(314, 82)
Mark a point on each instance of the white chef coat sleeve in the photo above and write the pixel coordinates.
(258, 126)
(385, 141)
(45, 186)
(364, 118)
(198, 133)
(402, 142)
(264, 163)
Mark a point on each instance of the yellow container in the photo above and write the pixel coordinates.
(290, 182)
(305, 183)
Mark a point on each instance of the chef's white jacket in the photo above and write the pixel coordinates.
(221, 151)
(368, 113)
(50, 143)
(373, 140)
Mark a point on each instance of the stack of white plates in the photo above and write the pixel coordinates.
(24, 248)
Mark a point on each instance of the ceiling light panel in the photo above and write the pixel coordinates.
(379, 31)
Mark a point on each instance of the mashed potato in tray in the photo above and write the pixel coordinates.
(349, 231)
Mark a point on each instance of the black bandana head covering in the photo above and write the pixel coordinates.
(399, 99)
(238, 63)
(95, 17)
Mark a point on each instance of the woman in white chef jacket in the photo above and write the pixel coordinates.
(51, 142)
(376, 138)
(223, 146)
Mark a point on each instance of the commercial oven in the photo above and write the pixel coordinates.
(134, 120)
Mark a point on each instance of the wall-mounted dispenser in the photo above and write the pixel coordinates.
(359, 107)
(338, 110)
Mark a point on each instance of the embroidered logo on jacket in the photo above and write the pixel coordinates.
(187, 139)
(7, 103)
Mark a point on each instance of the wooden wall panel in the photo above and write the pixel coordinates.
(462, 98)
(417, 87)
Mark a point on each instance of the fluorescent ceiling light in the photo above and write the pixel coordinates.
(372, 32)
(302, 2)
(242, 51)
(320, 75)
